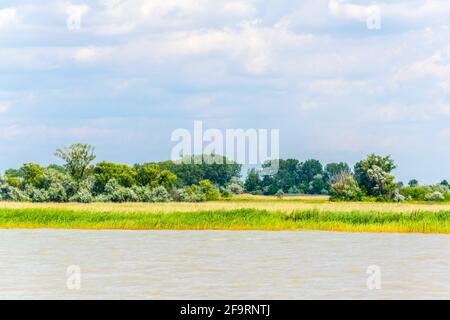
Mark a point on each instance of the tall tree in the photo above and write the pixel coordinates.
(252, 182)
(334, 169)
(77, 159)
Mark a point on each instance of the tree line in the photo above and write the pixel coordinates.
(206, 177)
(79, 180)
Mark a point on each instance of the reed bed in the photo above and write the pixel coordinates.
(81, 217)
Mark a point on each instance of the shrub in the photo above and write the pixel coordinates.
(226, 193)
(440, 188)
(143, 194)
(117, 193)
(37, 195)
(180, 195)
(102, 198)
(435, 196)
(83, 195)
(418, 193)
(280, 194)
(160, 194)
(10, 193)
(56, 192)
(208, 190)
(293, 190)
(235, 188)
(345, 187)
(397, 197)
(196, 197)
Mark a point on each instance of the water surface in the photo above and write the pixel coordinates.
(222, 265)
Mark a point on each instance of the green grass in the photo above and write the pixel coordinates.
(239, 219)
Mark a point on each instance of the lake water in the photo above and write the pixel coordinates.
(222, 265)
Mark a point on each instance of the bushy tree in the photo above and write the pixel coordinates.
(345, 187)
(78, 158)
(208, 190)
(32, 174)
(104, 171)
(308, 169)
(374, 176)
(167, 179)
(147, 174)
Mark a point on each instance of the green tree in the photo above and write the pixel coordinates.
(147, 173)
(309, 169)
(77, 159)
(334, 169)
(14, 173)
(32, 174)
(167, 179)
(123, 175)
(190, 170)
(318, 185)
(208, 190)
(413, 183)
(373, 175)
(252, 181)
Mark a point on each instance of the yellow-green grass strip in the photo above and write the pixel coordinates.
(239, 219)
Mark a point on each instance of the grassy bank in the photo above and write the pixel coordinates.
(234, 219)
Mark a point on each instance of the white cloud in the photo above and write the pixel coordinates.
(435, 66)
(86, 54)
(8, 18)
(4, 106)
(339, 87)
(121, 17)
(350, 11)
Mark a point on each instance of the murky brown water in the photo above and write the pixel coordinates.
(222, 265)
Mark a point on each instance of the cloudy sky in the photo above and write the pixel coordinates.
(122, 75)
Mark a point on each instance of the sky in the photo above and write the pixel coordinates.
(340, 79)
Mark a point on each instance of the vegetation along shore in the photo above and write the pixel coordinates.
(205, 195)
(273, 215)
